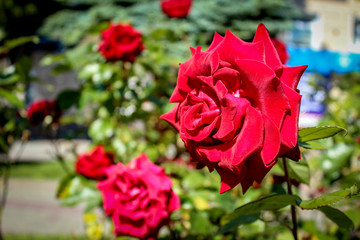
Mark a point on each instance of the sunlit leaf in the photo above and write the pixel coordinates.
(11, 98)
(101, 129)
(337, 217)
(273, 202)
(61, 68)
(68, 98)
(315, 133)
(299, 171)
(63, 187)
(10, 44)
(9, 80)
(200, 223)
(244, 219)
(312, 145)
(330, 198)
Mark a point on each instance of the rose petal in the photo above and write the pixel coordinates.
(263, 89)
(200, 133)
(271, 142)
(229, 179)
(174, 202)
(215, 42)
(232, 48)
(232, 111)
(291, 75)
(177, 95)
(230, 77)
(170, 117)
(271, 55)
(256, 171)
(231, 155)
(289, 129)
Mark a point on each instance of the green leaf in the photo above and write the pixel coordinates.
(68, 98)
(10, 44)
(315, 133)
(200, 223)
(330, 198)
(52, 59)
(11, 98)
(63, 187)
(74, 189)
(245, 219)
(337, 217)
(273, 202)
(9, 80)
(101, 129)
(299, 171)
(23, 68)
(3, 144)
(61, 68)
(312, 145)
(193, 180)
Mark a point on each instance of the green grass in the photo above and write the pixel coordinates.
(42, 170)
(42, 237)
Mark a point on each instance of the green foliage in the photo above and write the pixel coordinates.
(42, 170)
(68, 98)
(19, 236)
(242, 17)
(13, 81)
(330, 198)
(251, 211)
(299, 171)
(10, 44)
(248, 211)
(337, 217)
(74, 189)
(315, 133)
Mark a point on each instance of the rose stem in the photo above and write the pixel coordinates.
(293, 212)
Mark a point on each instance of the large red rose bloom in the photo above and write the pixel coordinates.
(237, 108)
(138, 197)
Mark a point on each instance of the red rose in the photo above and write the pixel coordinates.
(93, 165)
(38, 110)
(138, 197)
(176, 8)
(237, 108)
(121, 42)
(281, 50)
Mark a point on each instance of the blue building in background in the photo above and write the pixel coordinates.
(321, 65)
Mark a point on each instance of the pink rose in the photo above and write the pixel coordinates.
(121, 42)
(176, 8)
(281, 50)
(138, 197)
(93, 165)
(237, 108)
(38, 110)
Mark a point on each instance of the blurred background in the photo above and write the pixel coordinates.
(48, 50)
